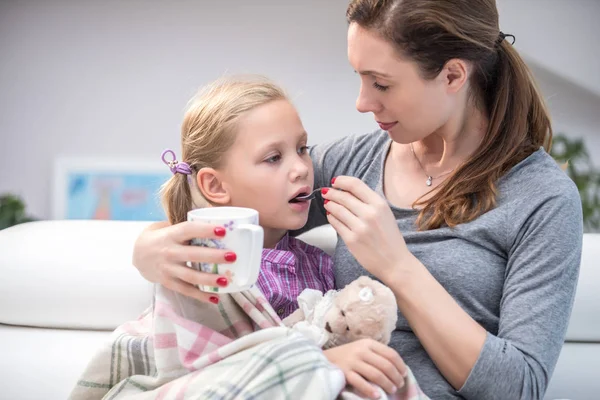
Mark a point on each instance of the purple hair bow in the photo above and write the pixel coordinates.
(174, 165)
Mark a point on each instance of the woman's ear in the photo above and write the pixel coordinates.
(456, 73)
(211, 187)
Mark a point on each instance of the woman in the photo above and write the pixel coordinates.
(454, 204)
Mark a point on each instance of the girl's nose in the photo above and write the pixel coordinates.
(300, 170)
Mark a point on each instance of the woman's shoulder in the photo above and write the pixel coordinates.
(350, 154)
(538, 191)
(537, 176)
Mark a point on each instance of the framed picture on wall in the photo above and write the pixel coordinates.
(109, 189)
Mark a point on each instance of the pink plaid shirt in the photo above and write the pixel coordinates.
(291, 267)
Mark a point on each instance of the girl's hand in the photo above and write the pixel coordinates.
(161, 251)
(367, 225)
(367, 362)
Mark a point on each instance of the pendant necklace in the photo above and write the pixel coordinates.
(430, 178)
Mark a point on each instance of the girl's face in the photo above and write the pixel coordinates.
(268, 165)
(404, 104)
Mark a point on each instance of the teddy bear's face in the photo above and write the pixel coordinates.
(363, 309)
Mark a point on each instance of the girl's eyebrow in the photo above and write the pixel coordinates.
(302, 136)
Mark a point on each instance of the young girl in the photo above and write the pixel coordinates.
(243, 145)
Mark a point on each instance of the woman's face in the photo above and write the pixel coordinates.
(404, 104)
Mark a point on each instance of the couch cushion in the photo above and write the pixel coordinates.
(71, 274)
(576, 373)
(39, 363)
(585, 320)
(78, 274)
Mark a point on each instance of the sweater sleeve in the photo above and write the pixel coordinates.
(544, 255)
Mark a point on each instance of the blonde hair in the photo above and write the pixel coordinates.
(208, 131)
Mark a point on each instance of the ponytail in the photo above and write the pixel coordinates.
(177, 198)
(519, 125)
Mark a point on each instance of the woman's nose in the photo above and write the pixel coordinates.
(366, 103)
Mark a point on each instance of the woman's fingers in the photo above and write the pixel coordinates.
(184, 253)
(346, 199)
(194, 277)
(364, 388)
(185, 231)
(188, 290)
(342, 214)
(356, 187)
(339, 226)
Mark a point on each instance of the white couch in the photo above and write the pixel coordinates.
(64, 285)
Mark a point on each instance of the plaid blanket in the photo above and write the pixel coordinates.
(183, 349)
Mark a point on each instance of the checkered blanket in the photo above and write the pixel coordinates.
(183, 349)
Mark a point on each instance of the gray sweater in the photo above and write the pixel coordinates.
(514, 269)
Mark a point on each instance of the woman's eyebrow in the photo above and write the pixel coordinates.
(372, 72)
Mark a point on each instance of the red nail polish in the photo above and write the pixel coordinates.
(213, 299)
(333, 180)
(230, 256)
(222, 282)
(324, 190)
(328, 213)
(326, 201)
(220, 231)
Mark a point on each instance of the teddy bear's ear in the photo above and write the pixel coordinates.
(366, 294)
(363, 281)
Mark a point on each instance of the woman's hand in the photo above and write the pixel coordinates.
(365, 222)
(161, 251)
(366, 362)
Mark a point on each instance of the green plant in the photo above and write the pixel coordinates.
(12, 211)
(580, 168)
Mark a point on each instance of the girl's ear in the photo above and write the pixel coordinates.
(211, 187)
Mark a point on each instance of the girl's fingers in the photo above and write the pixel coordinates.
(364, 388)
(391, 355)
(376, 376)
(385, 366)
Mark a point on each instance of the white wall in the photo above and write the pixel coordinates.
(561, 35)
(575, 111)
(111, 77)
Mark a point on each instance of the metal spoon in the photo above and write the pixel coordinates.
(306, 197)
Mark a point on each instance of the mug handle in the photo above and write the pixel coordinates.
(256, 233)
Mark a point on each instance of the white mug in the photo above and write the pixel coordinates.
(243, 236)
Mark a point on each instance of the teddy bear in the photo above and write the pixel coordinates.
(365, 308)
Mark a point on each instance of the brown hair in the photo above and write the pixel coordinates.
(432, 32)
(208, 131)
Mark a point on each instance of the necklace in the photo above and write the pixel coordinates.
(430, 178)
